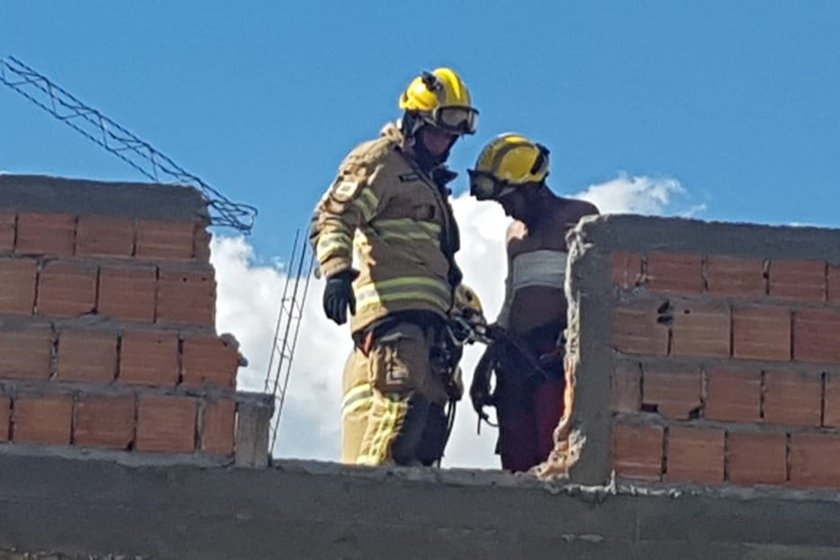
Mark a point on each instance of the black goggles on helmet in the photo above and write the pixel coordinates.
(485, 186)
(455, 119)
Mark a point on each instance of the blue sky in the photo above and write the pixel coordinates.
(736, 100)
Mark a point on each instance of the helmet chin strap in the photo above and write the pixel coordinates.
(425, 159)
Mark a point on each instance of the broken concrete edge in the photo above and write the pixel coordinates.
(462, 478)
(98, 508)
(253, 429)
(502, 479)
(45, 194)
(589, 311)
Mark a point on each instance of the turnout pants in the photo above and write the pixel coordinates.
(393, 406)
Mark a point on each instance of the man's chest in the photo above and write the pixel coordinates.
(549, 235)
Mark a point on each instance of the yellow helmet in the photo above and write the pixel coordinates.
(442, 99)
(467, 320)
(467, 304)
(507, 161)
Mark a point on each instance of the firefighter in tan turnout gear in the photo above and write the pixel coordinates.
(390, 201)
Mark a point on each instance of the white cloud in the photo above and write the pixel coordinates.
(641, 195)
(249, 297)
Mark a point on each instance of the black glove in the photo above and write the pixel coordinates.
(480, 386)
(338, 296)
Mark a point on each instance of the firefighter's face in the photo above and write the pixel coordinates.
(518, 204)
(513, 204)
(437, 141)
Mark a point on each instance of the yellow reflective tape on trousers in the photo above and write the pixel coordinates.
(379, 446)
(405, 288)
(335, 242)
(356, 398)
(396, 407)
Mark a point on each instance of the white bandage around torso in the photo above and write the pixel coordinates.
(539, 268)
(546, 268)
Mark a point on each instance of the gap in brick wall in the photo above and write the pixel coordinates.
(180, 343)
(788, 457)
(39, 266)
(765, 273)
(792, 334)
(726, 455)
(198, 422)
(11, 419)
(96, 290)
(762, 392)
(118, 360)
(825, 281)
(15, 232)
(136, 403)
(823, 380)
(73, 403)
(54, 353)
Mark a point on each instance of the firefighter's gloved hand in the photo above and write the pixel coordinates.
(480, 386)
(338, 296)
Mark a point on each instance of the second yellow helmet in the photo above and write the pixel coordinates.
(508, 160)
(467, 304)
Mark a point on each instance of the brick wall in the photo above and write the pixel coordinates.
(706, 353)
(107, 321)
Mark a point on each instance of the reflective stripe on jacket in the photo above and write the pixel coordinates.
(401, 226)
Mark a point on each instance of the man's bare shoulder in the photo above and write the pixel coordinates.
(573, 209)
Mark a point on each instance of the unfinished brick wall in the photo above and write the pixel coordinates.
(712, 353)
(107, 320)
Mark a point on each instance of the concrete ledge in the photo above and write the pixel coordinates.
(38, 193)
(628, 232)
(317, 510)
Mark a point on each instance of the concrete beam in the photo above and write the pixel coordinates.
(310, 510)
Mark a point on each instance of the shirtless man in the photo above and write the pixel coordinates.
(529, 402)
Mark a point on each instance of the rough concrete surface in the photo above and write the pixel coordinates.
(588, 289)
(37, 193)
(648, 233)
(310, 510)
